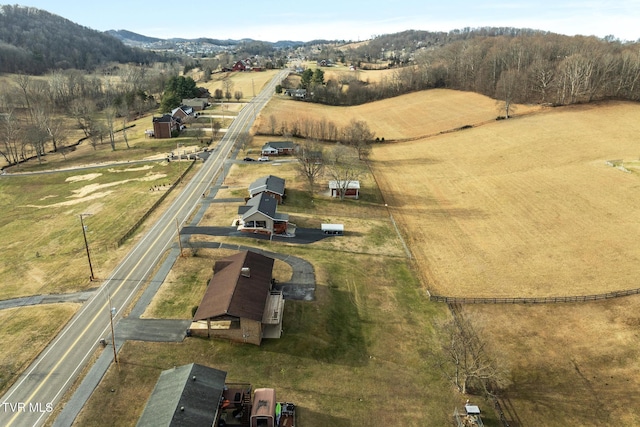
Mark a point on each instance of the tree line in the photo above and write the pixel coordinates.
(38, 114)
(513, 67)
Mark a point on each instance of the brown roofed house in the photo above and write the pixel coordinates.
(239, 303)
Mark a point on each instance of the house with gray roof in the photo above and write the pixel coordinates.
(182, 112)
(278, 148)
(187, 395)
(260, 215)
(270, 185)
(198, 104)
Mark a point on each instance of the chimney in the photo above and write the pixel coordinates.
(245, 272)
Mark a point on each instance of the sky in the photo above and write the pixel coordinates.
(353, 20)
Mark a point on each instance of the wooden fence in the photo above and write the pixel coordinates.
(154, 207)
(537, 300)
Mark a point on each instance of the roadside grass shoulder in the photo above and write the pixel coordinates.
(25, 333)
(44, 250)
(343, 358)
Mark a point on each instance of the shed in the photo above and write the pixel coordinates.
(336, 229)
(348, 189)
(187, 395)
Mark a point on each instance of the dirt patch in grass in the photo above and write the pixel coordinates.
(44, 250)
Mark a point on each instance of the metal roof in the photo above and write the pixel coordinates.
(187, 395)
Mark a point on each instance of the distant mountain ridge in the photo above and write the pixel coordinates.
(130, 38)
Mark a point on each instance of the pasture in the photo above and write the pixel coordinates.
(412, 116)
(520, 208)
(250, 83)
(532, 207)
(540, 205)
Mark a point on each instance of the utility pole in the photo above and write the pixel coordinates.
(112, 312)
(86, 245)
(179, 241)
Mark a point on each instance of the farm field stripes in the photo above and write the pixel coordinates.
(507, 211)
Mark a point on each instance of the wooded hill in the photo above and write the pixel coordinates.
(509, 64)
(33, 41)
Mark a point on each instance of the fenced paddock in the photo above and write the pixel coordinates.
(540, 300)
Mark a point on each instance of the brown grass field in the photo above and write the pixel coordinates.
(26, 331)
(521, 208)
(249, 83)
(530, 207)
(411, 116)
(539, 205)
(518, 208)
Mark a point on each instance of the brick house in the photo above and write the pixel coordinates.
(278, 148)
(164, 126)
(239, 303)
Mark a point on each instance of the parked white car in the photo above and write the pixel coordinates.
(263, 159)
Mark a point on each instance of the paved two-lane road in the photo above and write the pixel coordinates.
(39, 390)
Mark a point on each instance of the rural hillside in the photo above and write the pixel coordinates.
(34, 41)
(455, 220)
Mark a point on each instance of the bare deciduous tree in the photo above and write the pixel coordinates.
(506, 90)
(273, 124)
(344, 167)
(215, 128)
(467, 363)
(52, 125)
(11, 140)
(358, 135)
(83, 111)
(310, 162)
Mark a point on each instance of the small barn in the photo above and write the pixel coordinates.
(351, 189)
(239, 303)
